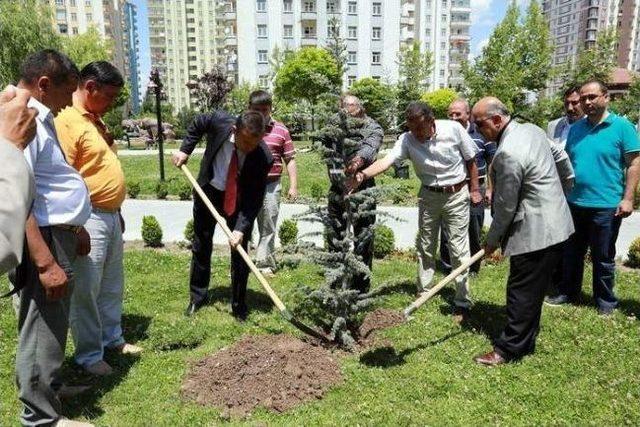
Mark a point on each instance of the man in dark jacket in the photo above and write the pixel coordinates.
(359, 157)
(233, 175)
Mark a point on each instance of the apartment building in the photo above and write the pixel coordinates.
(183, 44)
(250, 30)
(574, 24)
(133, 54)
(109, 18)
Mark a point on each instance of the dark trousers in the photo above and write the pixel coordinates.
(596, 229)
(529, 276)
(203, 226)
(363, 237)
(476, 221)
(42, 332)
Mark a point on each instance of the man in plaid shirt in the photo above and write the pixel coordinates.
(279, 141)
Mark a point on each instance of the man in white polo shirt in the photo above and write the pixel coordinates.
(442, 152)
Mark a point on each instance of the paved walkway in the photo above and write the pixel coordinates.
(125, 152)
(173, 216)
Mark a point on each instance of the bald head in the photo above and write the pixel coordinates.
(459, 111)
(490, 116)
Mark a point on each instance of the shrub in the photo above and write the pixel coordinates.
(184, 190)
(162, 189)
(288, 232)
(634, 254)
(133, 189)
(189, 232)
(317, 191)
(383, 241)
(151, 231)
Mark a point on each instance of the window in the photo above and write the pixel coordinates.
(59, 2)
(262, 31)
(89, 17)
(261, 5)
(353, 8)
(332, 7)
(74, 17)
(351, 80)
(287, 6)
(87, 3)
(353, 33)
(262, 57)
(74, 30)
(352, 57)
(376, 33)
(309, 31)
(72, 3)
(375, 57)
(377, 9)
(61, 15)
(309, 6)
(263, 81)
(62, 28)
(288, 32)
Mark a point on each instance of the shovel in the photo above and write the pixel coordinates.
(441, 284)
(276, 300)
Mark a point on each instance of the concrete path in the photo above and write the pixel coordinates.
(125, 152)
(173, 216)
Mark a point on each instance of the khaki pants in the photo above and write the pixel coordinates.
(450, 211)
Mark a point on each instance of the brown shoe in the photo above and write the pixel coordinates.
(490, 359)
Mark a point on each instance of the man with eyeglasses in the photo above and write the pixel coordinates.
(604, 150)
(443, 155)
(531, 220)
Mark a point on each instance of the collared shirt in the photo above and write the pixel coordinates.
(439, 161)
(84, 139)
(597, 154)
(279, 141)
(486, 150)
(61, 194)
(222, 161)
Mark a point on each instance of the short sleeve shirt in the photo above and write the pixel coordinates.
(597, 154)
(281, 146)
(439, 161)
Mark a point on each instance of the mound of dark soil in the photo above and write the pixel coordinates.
(379, 319)
(276, 372)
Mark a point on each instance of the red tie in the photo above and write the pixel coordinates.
(231, 189)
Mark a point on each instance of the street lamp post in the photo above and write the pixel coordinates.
(156, 85)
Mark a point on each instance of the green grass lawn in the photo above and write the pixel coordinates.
(312, 172)
(585, 370)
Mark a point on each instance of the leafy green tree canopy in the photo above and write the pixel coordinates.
(376, 98)
(88, 47)
(414, 69)
(439, 101)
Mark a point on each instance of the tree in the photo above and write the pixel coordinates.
(25, 27)
(88, 47)
(414, 69)
(336, 45)
(238, 99)
(308, 74)
(516, 61)
(595, 62)
(278, 57)
(439, 101)
(211, 89)
(629, 104)
(376, 98)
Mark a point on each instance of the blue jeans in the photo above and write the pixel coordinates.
(596, 229)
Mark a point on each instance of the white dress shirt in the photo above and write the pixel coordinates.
(62, 196)
(439, 161)
(222, 161)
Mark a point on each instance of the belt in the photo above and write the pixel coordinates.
(75, 229)
(447, 188)
(102, 210)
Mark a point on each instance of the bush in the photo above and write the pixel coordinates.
(634, 254)
(133, 189)
(317, 192)
(288, 232)
(189, 232)
(162, 190)
(384, 241)
(151, 231)
(184, 190)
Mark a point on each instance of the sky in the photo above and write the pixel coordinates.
(485, 14)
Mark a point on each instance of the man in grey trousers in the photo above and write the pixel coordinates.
(55, 237)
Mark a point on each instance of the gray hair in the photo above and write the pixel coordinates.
(497, 108)
(356, 101)
(463, 102)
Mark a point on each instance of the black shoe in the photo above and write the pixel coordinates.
(240, 315)
(557, 301)
(193, 307)
(605, 311)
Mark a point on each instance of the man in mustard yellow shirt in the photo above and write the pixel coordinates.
(96, 305)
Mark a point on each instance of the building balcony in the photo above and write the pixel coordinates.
(308, 16)
(460, 37)
(406, 34)
(406, 20)
(309, 40)
(229, 15)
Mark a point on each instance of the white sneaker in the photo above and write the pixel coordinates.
(68, 391)
(127, 348)
(101, 369)
(64, 422)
